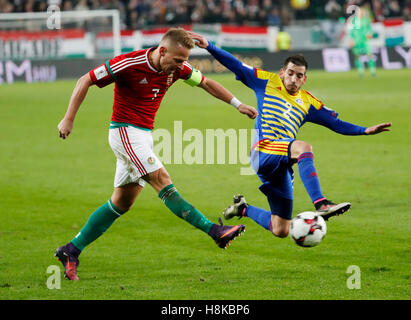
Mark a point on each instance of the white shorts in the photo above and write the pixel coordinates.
(133, 149)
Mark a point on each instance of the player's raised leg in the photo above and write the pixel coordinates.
(302, 153)
(270, 160)
(269, 220)
(100, 220)
(167, 192)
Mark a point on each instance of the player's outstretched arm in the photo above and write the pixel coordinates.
(329, 118)
(218, 91)
(80, 90)
(224, 57)
(378, 128)
(243, 72)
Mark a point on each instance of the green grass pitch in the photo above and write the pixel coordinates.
(49, 187)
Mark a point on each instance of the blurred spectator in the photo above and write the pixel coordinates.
(240, 12)
(333, 9)
(330, 26)
(29, 6)
(215, 15)
(67, 5)
(407, 13)
(378, 10)
(262, 17)
(6, 6)
(182, 16)
(138, 11)
(285, 13)
(407, 10)
(199, 13)
(274, 18)
(252, 9)
(81, 5)
(394, 9)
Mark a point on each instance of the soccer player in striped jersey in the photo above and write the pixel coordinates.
(141, 80)
(283, 107)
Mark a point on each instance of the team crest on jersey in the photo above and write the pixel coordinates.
(299, 101)
(150, 160)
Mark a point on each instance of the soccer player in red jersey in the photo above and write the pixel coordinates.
(141, 80)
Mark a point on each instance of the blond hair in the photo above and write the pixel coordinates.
(179, 36)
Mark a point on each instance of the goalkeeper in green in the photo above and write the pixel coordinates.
(360, 35)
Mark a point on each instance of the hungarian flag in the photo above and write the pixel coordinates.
(243, 37)
(394, 32)
(105, 44)
(46, 44)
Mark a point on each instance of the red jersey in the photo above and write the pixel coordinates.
(139, 87)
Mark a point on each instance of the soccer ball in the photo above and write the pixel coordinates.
(308, 229)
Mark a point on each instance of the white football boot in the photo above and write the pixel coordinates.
(236, 209)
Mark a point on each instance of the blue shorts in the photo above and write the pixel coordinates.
(271, 160)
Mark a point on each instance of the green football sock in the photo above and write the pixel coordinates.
(372, 66)
(97, 224)
(359, 66)
(182, 209)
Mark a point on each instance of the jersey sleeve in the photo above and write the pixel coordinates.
(100, 76)
(243, 72)
(329, 118)
(113, 69)
(191, 76)
(318, 113)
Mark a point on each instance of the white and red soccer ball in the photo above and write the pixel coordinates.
(308, 229)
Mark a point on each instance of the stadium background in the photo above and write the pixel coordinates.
(48, 187)
(32, 52)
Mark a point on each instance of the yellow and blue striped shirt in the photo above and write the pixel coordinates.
(280, 114)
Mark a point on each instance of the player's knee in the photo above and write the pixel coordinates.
(280, 225)
(124, 203)
(124, 197)
(163, 178)
(300, 147)
(126, 207)
(280, 231)
(306, 147)
(158, 179)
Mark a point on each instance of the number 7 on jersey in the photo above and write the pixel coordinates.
(155, 93)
